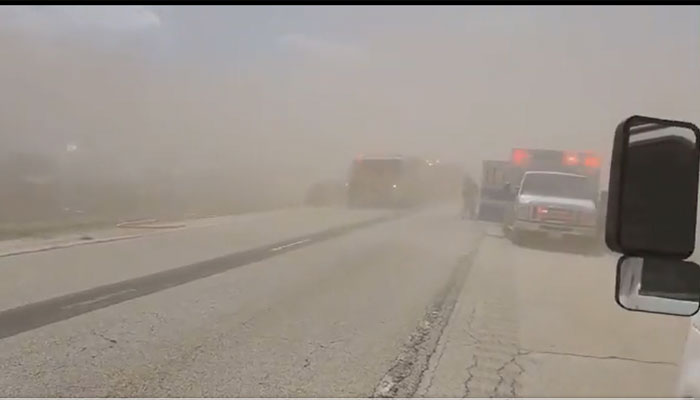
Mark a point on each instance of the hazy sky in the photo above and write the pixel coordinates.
(312, 86)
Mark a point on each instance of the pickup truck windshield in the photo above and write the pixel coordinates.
(557, 185)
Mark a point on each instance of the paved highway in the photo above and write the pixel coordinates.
(325, 303)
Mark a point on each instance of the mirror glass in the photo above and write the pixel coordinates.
(653, 190)
(658, 285)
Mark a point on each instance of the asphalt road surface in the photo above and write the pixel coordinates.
(326, 303)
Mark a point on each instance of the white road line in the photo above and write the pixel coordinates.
(136, 222)
(290, 245)
(107, 296)
(69, 244)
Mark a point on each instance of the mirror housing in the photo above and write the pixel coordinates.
(653, 188)
(658, 285)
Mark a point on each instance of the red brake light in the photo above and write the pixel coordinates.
(570, 159)
(520, 156)
(542, 210)
(593, 162)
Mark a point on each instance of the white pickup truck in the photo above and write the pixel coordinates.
(690, 367)
(553, 204)
(689, 377)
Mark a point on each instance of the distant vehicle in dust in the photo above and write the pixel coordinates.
(388, 182)
(326, 193)
(444, 181)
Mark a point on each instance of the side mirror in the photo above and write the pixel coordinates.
(658, 285)
(653, 190)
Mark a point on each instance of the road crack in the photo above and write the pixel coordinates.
(500, 373)
(405, 375)
(514, 382)
(470, 376)
(492, 327)
(437, 362)
(525, 352)
(113, 341)
(316, 346)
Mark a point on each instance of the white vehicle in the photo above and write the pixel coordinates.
(689, 377)
(690, 367)
(553, 204)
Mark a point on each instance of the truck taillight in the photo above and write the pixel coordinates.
(592, 162)
(570, 159)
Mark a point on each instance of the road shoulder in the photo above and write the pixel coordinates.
(527, 319)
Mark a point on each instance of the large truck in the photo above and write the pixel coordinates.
(388, 182)
(555, 193)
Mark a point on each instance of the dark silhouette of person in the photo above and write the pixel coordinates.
(469, 196)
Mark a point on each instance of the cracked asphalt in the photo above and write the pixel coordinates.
(534, 323)
(426, 305)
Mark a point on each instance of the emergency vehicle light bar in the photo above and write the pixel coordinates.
(520, 156)
(569, 158)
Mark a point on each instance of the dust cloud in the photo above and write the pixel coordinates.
(128, 135)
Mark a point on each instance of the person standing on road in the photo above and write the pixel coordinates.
(469, 195)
